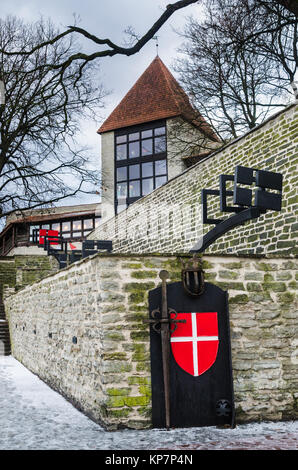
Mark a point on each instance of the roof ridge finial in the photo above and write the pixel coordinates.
(156, 39)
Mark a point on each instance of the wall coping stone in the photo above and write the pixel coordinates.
(156, 255)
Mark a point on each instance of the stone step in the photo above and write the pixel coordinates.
(5, 347)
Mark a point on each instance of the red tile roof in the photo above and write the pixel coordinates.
(155, 95)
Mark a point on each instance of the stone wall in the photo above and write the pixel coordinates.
(20, 270)
(81, 331)
(15, 273)
(169, 219)
(7, 272)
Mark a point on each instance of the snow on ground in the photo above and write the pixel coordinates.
(33, 416)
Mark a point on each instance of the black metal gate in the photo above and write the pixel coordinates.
(207, 398)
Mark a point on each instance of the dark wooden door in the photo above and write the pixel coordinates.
(205, 399)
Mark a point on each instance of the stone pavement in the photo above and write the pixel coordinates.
(33, 416)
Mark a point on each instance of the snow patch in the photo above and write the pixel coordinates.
(33, 416)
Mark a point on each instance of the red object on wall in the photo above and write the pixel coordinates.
(195, 343)
(50, 233)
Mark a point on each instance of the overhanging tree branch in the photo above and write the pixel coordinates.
(113, 49)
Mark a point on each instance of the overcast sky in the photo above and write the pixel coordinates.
(109, 18)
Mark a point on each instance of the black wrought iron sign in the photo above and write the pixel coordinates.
(247, 205)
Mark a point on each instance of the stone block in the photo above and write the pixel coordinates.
(254, 287)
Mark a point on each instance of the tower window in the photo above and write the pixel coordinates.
(141, 162)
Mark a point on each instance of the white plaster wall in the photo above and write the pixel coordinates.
(108, 166)
(175, 163)
(184, 140)
(28, 250)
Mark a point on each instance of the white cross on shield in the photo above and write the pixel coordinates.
(195, 343)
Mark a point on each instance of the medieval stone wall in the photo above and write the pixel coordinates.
(15, 273)
(81, 331)
(7, 272)
(169, 219)
(20, 270)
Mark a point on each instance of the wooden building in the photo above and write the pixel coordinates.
(73, 223)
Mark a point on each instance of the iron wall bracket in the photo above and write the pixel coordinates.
(242, 199)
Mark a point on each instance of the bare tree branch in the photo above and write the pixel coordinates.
(112, 48)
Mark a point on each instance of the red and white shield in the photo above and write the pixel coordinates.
(195, 343)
